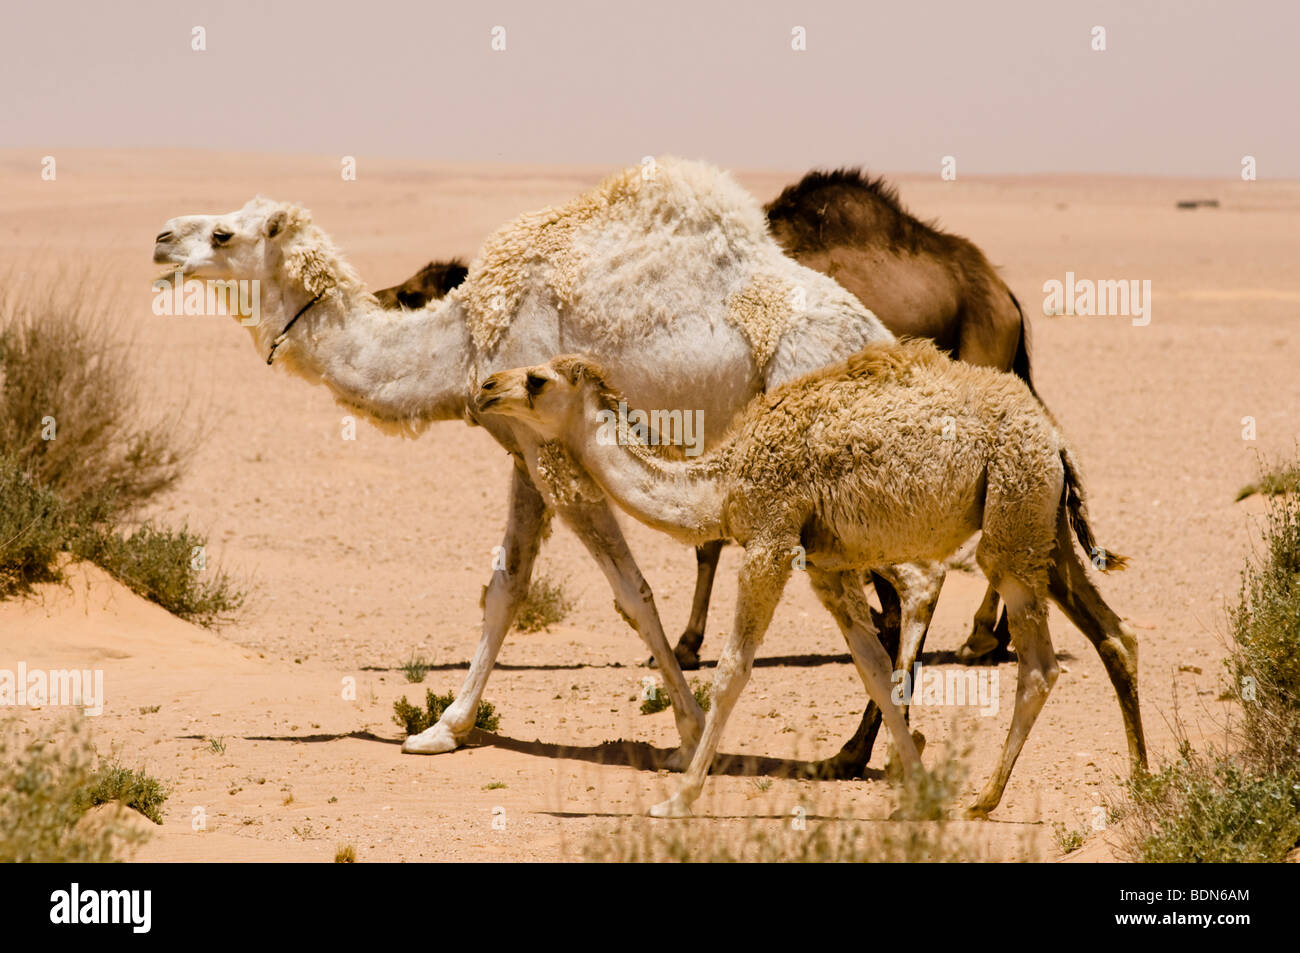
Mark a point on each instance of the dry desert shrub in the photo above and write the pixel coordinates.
(1240, 803)
(812, 833)
(48, 785)
(70, 413)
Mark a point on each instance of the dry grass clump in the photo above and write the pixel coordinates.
(545, 605)
(809, 833)
(1241, 803)
(46, 788)
(70, 413)
(79, 452)
(1277, 480)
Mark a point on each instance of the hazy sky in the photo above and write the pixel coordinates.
(1183, 87)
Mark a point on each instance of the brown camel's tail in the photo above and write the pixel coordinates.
(1077, 511)
(1020, 363)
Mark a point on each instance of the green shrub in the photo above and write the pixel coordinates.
(46, 787)
(33, 527)
(416, 720)
(134, 789)
(1241, 804)
(1214, 810)
(159, 564)
(70, 412)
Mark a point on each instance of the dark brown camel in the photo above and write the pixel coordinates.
(432, 281)
(920, 281)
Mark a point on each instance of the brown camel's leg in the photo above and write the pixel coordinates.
(501, 600)
(1079, 599)
(706, 567)
(841, 594)
(916, 591)
(990, 636)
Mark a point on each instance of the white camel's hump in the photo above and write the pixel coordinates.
(654, 246)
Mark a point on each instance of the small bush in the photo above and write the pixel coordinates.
(135, 789)
(70, 412)
(703, 696)
(33, 527)
(1067, 840)
(1213, 810)
(1241, 804)
(654, 698)
(415, 669)
(158, 564)
(545, 605)
(1283, 479)
(46, 787)
(345, 854)
(416, 720)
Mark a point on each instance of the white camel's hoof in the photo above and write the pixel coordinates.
(437, 739)
(673, 807)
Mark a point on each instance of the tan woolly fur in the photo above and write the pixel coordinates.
(896, 455)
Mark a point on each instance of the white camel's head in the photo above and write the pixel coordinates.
(550, 398)
(265, 240)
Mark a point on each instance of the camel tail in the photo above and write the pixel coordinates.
(1076, 510)
(1020, 363)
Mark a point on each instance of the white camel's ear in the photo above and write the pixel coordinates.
(277, 223)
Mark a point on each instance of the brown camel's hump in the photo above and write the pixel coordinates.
(847, 207)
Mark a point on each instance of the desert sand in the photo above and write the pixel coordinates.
(360, 553)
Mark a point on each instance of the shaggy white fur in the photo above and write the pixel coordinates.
(666, 275)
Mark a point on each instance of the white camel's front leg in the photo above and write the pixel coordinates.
(504, 594)
(762, 578)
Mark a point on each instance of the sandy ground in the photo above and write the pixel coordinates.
(361, 553)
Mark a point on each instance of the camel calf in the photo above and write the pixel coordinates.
(897, 455)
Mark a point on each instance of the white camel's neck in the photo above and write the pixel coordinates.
(684, 498)
(399, 367)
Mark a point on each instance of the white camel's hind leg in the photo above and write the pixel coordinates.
(762, 579)
(500, 603)
(1036, 674)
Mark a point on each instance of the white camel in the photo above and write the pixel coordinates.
(665, 273)
(897, 455)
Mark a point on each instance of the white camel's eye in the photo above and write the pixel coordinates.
(221, 235)
(535, 383)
